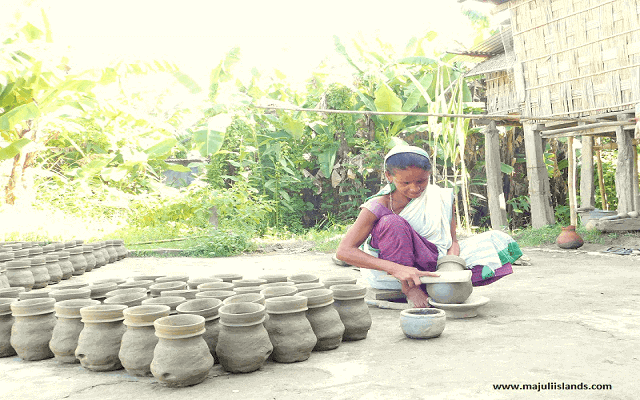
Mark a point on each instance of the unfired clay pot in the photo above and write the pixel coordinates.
(277, 291)
(117, 281)
(245, 298)
(174, 278)
(354, 312)
(451, 263)
(289, 329)
(68, 294)
(146, 277)
(303, 278)
(203, 287)
(324, 318)
(309, 286)
(188, 294)
(97, 253)
(215, 294)
(113, 254)
(207, 308)
(100, 339)
(19, 274)
(53, 268)
(450, 292)
(100, 290)
(228, 277)
(134, 290)
(11, 292)
(64, 339)
(339, 280)
(139, 340)
(181, 357)
(243, 344)
(35, 294)
(6, 322)
(73, 284)
(77, 260)
(157, 288)
(65, 264)
(40, 273)
(171, 301)
(105, 253)
(276, 284)
(422, 323)
(247, 289)
(139, 284)
(121, 250)
(271, 278)
(248, 282)
(32, 328)
(127, 299)
(87, 252)
(193, 283)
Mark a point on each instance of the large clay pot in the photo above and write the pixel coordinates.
(100, 339)
(245, 298)
(353, 311)
(65, 264)
(19, 274)
(11, 292)
(193, 283)
(42, 293)
(451, 263)
(4, 258)
(6, 322)
(99, 290)
(289, 329)
(105, 253)
(68, 294)
(64, 339)
(157, 288)
(207, 308)
(35, 251)
(303, 278)
(87, 252)
(228, 277)
(324, 318)
(215, 294)
(277, 291)
(48, 248)
(53, 268)
(97, 253)
(113, 254)
(171, 301)
(40, 273)
(121, 251)
(203, 287)
(309, 286)
(339, 280)
(569, 238)
(78, 260)
(181, 357)
(243, 344)
(139, 340)
(33, 328)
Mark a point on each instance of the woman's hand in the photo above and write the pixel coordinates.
(409, 277)
(454, 249)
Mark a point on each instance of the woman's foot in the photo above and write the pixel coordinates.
(417, 298)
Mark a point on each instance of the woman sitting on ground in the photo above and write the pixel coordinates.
(404, 228)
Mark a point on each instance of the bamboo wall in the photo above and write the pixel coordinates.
(577, 57)
(501, 93)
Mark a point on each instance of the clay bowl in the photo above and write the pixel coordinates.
(100, 290)
(309, 286)
(117, 281)
(127, 299)
(145, 315)
(171, 301)
(135, 290)
(242, 314)
(147, 277)
(179, 326)
(286, 304)
(450, 292)
(451, 263)
(203, 287)
(143, 283)
(339, 280)
(303, 278)
(68, 294)
(245, 298)
(422, 323)
(206, 307)
(215, 294)
(12, 292)
(188, 294)
(247, 289)
(193, 283)
(317, 297)
(71, 308)
(38, 306)
(248, 282)
(228, 277)
(173, 278)
(278, 291)
(271, 278)
(348, 292)
(34, 294)
(71, 285)
(158, 288)
(276, 284)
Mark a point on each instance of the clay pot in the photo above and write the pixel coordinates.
(11, 292)
(48, 248)
(277, 291)
(339, 280)
(100, 290)
(324, 318)
(186, 293)
(79, 242)
(40, 273)
(157, 288)
(174, 278)
(181, 357)
(70, 244)
(139, 340)
(35, 294)
(245, 298)
(271, 278)
(100, 339)
(171, 301)
(127, 299)
(71, 285)
(569, 238)
(230, 277)
(53, 268)
(4, 281)
(105, 253)
(35, 251)
(32, 328)
(353, 311)
(215, 294)
(111, 251)
(6, 322)
(451, 263)
(193, 283)
(64, 339)
(87, 253)
(133, 290)
(247, 289)
(121, 251)
(277, 284)
(303, 278)
(289, 330)
(19, 274)
(68, 294)
(78, 260)
(66, 266)
(143, 283)
(98, 255)
(147, 277)
(309, 286)
(207, 308)
(215, 286)
(248, 282)
(243, 343)
(117, 281)
(422, 323)
(450, 292)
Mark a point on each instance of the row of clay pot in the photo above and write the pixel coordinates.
(36, 267)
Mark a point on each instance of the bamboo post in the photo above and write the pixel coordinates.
(572, 183)
(539, 192)
(495, 194)
(624, 169)
(603, 192)
(587, 186)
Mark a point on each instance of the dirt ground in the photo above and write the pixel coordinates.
(569, 317)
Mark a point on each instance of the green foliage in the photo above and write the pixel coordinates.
(220, 244)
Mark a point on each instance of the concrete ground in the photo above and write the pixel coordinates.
(569, 317)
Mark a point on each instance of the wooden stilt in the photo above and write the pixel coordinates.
(495, 194)
(572, 182)
(624, 169)
(587, 184)
(539, 191)
(603, 192)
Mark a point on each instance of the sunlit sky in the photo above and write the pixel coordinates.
(293, 36)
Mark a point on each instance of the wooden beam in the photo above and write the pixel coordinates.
(587, 186)
(495, 194)
(539, 192)
(618, 225)
(582, 129)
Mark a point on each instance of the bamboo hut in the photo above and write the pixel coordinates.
(577, 59)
